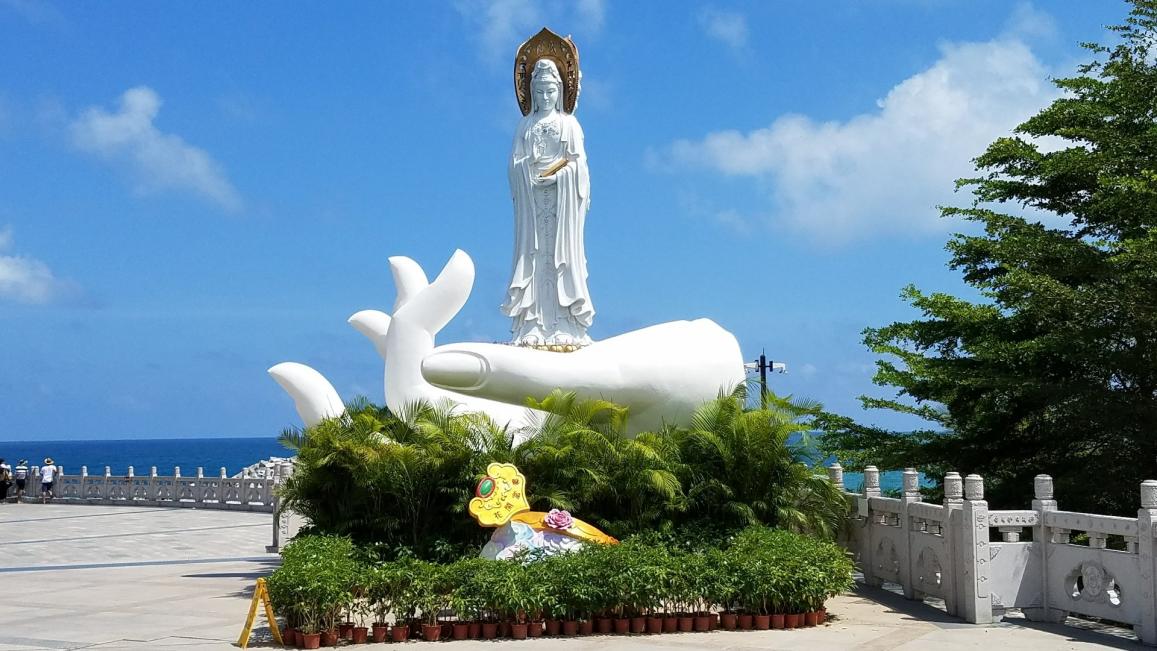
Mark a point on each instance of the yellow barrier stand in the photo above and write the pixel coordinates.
(260, 595)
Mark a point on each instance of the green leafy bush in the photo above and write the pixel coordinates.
(401, 483)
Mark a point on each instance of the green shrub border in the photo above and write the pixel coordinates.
(759, 571)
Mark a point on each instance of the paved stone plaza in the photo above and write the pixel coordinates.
(90, 577)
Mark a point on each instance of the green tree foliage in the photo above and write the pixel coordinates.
(1056, 370)
(403, 482)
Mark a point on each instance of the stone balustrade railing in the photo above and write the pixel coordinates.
(975, 560)
(248, 493)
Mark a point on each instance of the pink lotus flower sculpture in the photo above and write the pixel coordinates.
(557, 519)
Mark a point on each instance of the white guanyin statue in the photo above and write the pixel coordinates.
(661, 373)
(547, 298)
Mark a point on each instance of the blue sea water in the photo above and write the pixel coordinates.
(210, 453)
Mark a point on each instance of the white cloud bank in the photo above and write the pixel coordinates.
(24, 279)
(503, 24)
(159, 161)
(884, 171)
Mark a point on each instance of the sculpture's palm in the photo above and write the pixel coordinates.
(661, 373)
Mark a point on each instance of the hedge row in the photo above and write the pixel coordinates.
(325, 580)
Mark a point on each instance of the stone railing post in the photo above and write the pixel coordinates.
(1042, 537)
(836, 475)
(909, 495)
(871, 489)
(1147, 557)
(153, 483)
(130, 493)
(974, 558)
(33, 484)
(198, 491)
(106, 489)
(83, 483)
(950, 530)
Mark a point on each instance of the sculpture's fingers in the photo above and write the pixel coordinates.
(433, 307)
(313, 395)
(374, 325)
(409, 279)
(510, 374)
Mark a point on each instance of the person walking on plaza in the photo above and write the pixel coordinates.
(48, 474)
(5, 480)
(20, 476)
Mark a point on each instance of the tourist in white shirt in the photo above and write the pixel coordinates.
(48, 473)
(20, 476)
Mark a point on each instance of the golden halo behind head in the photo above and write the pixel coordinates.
(563, 52)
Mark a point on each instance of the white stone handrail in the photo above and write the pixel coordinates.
(974, 558)
(248, 493)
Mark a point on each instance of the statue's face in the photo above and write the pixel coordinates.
(546, 95)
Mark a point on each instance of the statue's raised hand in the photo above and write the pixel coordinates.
(661, 373)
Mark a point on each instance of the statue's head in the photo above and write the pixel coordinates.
(545, 86)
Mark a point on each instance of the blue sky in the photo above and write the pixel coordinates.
(189, 196)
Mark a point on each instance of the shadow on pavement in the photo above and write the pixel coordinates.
(1073, 630)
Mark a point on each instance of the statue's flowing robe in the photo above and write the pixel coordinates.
(569, 274)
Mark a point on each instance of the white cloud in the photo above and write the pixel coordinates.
(727, 27)
(24, 279)
(159, 161)
(504, 24)
(884, 171)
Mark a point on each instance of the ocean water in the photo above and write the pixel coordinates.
(211, 454)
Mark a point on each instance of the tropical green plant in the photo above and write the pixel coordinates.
(401, 482)
(751, 466)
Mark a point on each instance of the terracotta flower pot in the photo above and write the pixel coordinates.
(654, 624)
(622, 625)
(330, 638)
(728, 621)
(586, 627)
(489, 630)
(777, 621)
(310, 640)
(670, 623)
(553, 626)
(518, 631)
(745, 622)
(569, 627)
(345, 630)
(400, 632)
(603, 625)
(812, 618)
(791, 620)
(638, 625)
(289, 637)
(686, 623)
(379, 632)
(360, 635)
(701, 623)
(714, 620)
(475, 630)
(503, 629)
(762, 622)
(460, 631)
(534, 629)
(432, 632)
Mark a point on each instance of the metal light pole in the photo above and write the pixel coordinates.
(763, 366)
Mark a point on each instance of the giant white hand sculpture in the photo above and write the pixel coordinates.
(661, 373)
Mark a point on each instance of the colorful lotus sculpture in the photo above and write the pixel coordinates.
(500, 501)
